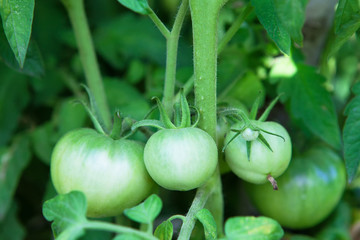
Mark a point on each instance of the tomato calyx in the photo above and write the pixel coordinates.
(250, 131)
(121, 125)
(182, 116)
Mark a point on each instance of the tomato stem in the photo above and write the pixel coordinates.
(117, 228)
(159, 24)
(230, 33)
(87, 54)
(204, 14)
(171, 57)
(272, 181)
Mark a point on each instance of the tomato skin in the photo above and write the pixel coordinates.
(262, 161)
(180, 159)
(308, 191)
(111, 173)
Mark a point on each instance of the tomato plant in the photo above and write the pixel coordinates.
(309, 190)
(211, 54)
(111, 173)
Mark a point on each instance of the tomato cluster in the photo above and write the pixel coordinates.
(115, 174)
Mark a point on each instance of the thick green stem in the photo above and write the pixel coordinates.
(223, 42)
(171, 57)
(117, 228)
(204, 15)
(76, 11)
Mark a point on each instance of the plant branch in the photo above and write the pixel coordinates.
(159, 24)
(202, 195)
(117, 228)
(171, 57)
(87, 54)
(230, 33)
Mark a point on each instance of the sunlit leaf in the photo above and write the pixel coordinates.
(68, 215)
(253, 228)
(208, 221)
(145, 212)
(164, 231)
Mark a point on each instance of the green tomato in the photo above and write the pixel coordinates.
(308, 191)
(263, 162)
(111, 173)
(180, 159)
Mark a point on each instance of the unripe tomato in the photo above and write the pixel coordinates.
(262, 162)
(308, 191)
(111, 173)
(180, 159)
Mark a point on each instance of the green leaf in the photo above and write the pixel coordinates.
(253, 228)
(283, 20)
(292, 15)
(344, 13)
(351, 136)
(267, 13)
(14, 96)
(68, 215)
(33, 66)
(12, 163)
(208, 221)
(164, 231)
(311, 103)
(17, 17)
(145, 212)
(139, 6)
(344, 33)
(10, 226)
(347, 22)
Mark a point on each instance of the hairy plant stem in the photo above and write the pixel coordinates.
(159, 24)
(171, 57)
(204, 14)
(88, 59)
(117, 228)
(230, 33)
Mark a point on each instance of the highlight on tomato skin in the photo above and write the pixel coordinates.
(263, 162)
(181, 159)
(111, 173)
(308, 191)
